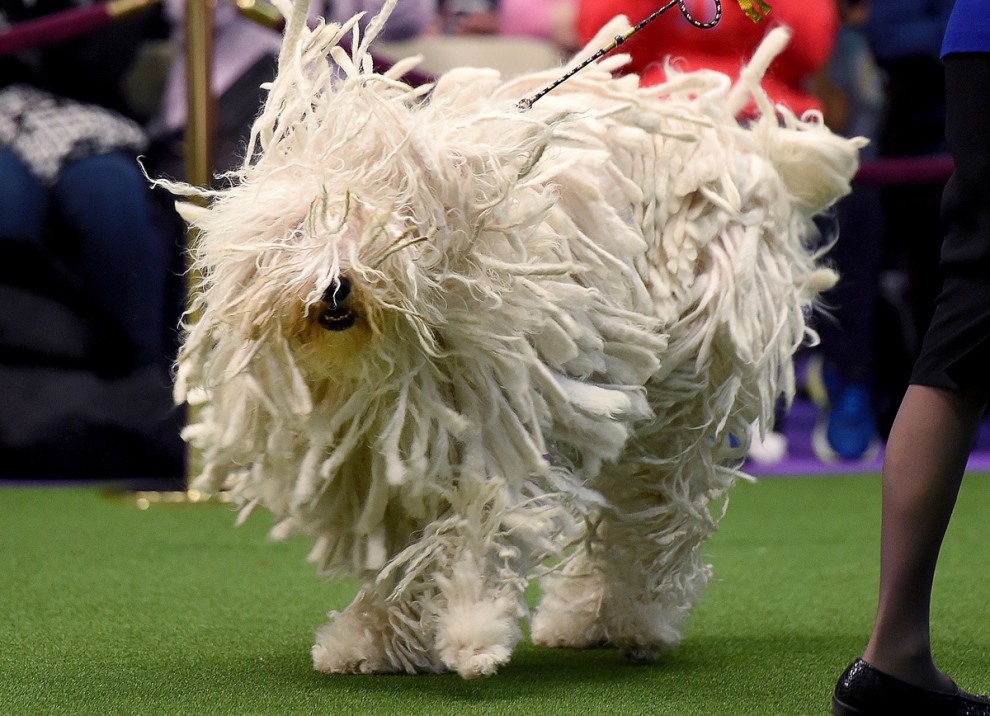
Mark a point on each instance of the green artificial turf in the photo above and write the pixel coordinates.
(109, 609)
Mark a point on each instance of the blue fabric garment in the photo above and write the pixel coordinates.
(23, 202)
(969, 28)
(120, 256)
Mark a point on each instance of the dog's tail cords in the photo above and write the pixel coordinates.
(756, 10)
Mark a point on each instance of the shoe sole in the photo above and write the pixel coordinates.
(841, 709)
(819, 442)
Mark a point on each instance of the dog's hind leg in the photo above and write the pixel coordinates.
(570, 612)
(652, 562)
(632, 592)
(648, 592)
(373, 636)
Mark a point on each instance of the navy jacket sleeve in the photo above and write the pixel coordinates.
(906, 29)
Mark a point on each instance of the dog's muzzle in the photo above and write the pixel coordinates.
(337, 315)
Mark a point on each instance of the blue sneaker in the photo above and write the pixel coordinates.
(847, 427)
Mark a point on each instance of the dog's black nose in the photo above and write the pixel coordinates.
(337, 292)
(337, 314)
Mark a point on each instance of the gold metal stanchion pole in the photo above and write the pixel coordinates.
(198, 148)
(199, 92)
(201, 105)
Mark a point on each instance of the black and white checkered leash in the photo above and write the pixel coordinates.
(525, 104)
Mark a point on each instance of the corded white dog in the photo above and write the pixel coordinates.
(455, 343)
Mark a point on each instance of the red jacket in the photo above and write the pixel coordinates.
(728, 45)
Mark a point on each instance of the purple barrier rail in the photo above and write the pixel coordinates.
(932, 169)
(67, 24)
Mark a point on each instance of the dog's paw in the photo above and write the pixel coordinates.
(343, 648)
(472, 663)
(568, 629)
(357, 641)
(641, 654)
(569, 615)
(364, 639)
(642, 629)
(333, 661)
(476, 640)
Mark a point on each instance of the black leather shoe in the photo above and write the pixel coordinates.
(863, 690)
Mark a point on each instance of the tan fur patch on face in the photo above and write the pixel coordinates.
(326, 353)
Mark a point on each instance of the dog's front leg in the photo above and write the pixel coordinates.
(461, 614)
(480, 607)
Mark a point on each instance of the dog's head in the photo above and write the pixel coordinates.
(373, 229)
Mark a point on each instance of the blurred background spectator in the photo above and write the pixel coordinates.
(888, 248)
(845, 369)
(552, 20)
(905, 36)
(244, 57)
(505, 35)
(468, 17)
(87, 309)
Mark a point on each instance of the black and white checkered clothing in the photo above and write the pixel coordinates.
(48, 132)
